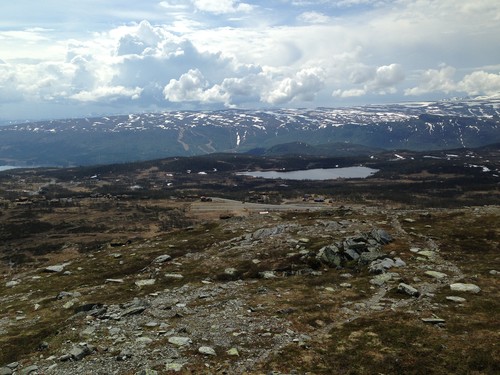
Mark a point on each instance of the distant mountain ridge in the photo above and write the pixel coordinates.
(115, 139)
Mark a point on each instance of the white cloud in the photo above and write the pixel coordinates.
(434, 80)
(314, 17)
(480, 83)
(109, 93)
(303, 86)
(221, 6)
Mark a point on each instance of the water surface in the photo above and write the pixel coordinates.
(315, 174)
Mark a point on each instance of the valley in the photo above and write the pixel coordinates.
(180, 265)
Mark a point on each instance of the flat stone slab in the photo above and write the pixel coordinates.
(179, 341)
(436, 274)
(468, 288)
(456, 299)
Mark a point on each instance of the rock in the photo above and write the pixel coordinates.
(144, 340)
(408, 289)
(13, 365)
(436, 274)
(352, 254)
(330, 255)
(162, 258)
(267, 274)
(80, 351)
(147, 372)
(427, 253)
(5, 371)
(469, 288)
(230, 271)
(456, 299)
(133, 311)
(28, 370)
(124, 354)
(494, 272)
(433, 320)
(233, 352)
(381, 279)
(381, 236)
(145, 282)
(207, 350)
(346, 285)
(176, 367)
(408, 220)
(380, 265)
(179, 341)
(117, 281)
(415, 249)
(398, 262)
(370, 256)
(304, 240)
(13, 283)
(173, 276)
(55, 269)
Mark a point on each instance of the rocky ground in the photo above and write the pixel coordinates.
(328, 288)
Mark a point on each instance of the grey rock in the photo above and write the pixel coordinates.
(179, 341)
(147, 372)
(352, 254)
(13, 283)
(433, 320)
(124, 354)
(408, 289)
(381, 236)
(436, 274)
(173, 276)
(207, 350)
(330, 255)
(145, 282)
(162, 258)
(370, 256)
(28, 370)
(267, 274)
(174, 366)
(5, 371)
(380, 265)
(398, 262)
(133, 311)
(381, 279)
(55, 269)
(456, 299)
(79, 352)
(469, 288)
(13, 365)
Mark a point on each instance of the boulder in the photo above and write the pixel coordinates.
(469, 288)
(162, 258)
(381, 236)
(408, 289)
(436, 274)
(179, 341)
(206, 350)
(330, 255)
(79, 352)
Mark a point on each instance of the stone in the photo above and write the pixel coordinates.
(436, 274)
(179, 341)
(267, 274)
(13, 283)
(346, 285)
(173, 276)
(456, 299)
(206, 350)
(145, 282)
(494, 272)
(28, 370)
(469, 288)
(144, 340)
(124, 354)
(427, 253)
(117, 281)
(381, 279)
(233, 352)
(5, 371)
(55, 269)
(176, 367)
(330, 255)
(398, 262)
(79, 352)
(133, 311)
(162, 258)
(381, 236)
(380, 265)
(147, 372)
(230, 271)
(352, 254)
(433, 320)
(408, 289)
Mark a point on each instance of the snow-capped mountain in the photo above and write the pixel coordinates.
(415, 126)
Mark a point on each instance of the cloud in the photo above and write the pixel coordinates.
(381, 80)
(314, 17)
(480, 83)
(193, 87)
(221, 6)
(433, 80)
(302, 86)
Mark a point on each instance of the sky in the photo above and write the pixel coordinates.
(67, 58)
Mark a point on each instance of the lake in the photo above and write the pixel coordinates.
(315, 174)
(6, 167)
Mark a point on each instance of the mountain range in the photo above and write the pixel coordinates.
(457, 123)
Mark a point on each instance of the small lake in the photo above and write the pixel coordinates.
(6, 167)
(315, 174)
